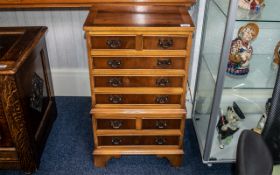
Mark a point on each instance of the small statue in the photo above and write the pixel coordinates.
(228, 125)
(253, 5)
(276, 60)
(241, 50)
(262, 121)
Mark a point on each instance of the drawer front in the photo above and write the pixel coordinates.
(160, 140)
(5, 136)
(115, 123)
(164, 43)
(161, 124)
(113, 42)
(138, 140)
(139, 63)
(125, 81)
(137, 99)
(118, 140)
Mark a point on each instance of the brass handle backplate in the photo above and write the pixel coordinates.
(162, 99)
(116, 124)
(161, 124)
(162, 82)
(164, 62)
(116, 140)
(114, 43)
(114, 63)
(115, 99)
(160, 140)
(165, 43)
(115, 82)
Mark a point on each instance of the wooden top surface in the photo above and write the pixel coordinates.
(138, 16)
(16, 44)
(83, 3)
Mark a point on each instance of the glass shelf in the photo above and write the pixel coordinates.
(269, 13)
(259, 77)
(229, 151)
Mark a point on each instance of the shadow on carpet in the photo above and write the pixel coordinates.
(69, 147)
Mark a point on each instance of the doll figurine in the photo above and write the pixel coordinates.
(228, 124)
(254, 5)
(276, 60)
(241, 50)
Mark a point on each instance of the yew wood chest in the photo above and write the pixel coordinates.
(138, 60)
(27, 104)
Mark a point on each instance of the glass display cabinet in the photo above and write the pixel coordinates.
(236, 73)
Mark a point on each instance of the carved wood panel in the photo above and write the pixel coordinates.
(14, 114)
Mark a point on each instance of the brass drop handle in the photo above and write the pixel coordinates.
(115, 99)
(164, 62)
(114, 43)
(116, 124)
(115, 82)
(165, 43)
(160, 140)
(114, 63)
(116, 140)
(161, 124)
(162, 99)
(162, 82)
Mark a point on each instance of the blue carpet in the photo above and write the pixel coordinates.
(69, 147)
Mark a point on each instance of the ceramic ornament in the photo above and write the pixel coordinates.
(254, 5)
(241, 50)
(276, 60)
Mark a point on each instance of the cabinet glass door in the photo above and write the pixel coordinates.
(213, 35)
(237, 73)
(250, 76)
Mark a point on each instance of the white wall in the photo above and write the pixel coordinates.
(65, 42)
(67, 47)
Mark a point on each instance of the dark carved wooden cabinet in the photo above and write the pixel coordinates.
(27, 104)
(138, 62)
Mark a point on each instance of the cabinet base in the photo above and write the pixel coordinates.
(102, 155)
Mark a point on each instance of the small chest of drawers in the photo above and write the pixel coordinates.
(138, 62)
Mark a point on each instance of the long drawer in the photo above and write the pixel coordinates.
(139, 81)
(137, 140)
(139, 62)
(117, 124)
(137, 99)
(139, 42)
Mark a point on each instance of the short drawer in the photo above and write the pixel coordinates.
(113, 42)
(118, 140)
(115, 123)
(164, 43)
(137, 99)
(137, 140)
(139, 63)
(126, 81)
(161, 123)
(160, 140)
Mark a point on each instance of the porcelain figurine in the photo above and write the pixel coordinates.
(276, 60)
(254, 5)
(241, 50)
(228, 124)
(262, 121)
